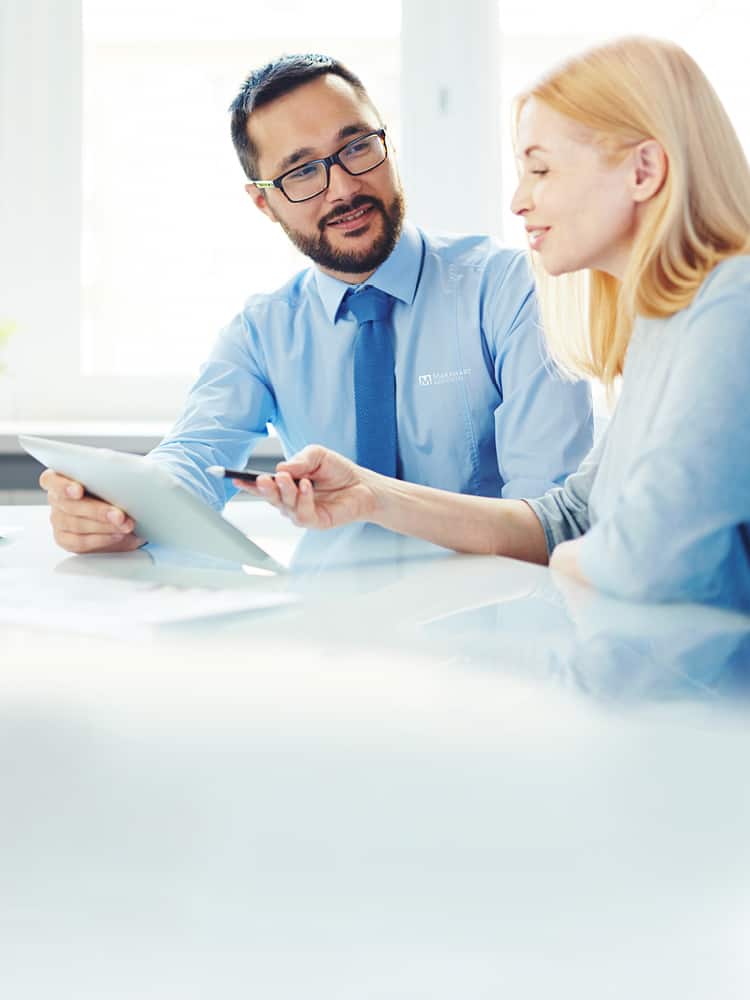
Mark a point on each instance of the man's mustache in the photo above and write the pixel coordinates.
(359, 202)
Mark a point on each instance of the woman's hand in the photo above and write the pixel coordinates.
(564, 559)
(329, 490)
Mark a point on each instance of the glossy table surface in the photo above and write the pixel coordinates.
(431, 775)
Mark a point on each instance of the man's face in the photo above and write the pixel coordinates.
(350, 228)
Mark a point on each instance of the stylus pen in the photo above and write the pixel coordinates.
(244, 476)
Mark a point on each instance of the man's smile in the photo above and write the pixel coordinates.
(356, 219)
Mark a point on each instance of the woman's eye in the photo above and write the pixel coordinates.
(539, 173)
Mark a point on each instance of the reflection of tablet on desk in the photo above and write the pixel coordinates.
(8, 533)
(164, 511)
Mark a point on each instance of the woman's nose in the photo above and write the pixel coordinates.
(521, 201)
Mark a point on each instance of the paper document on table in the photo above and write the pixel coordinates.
(99, 604)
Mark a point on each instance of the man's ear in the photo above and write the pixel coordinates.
(649, 169)
(259, 200)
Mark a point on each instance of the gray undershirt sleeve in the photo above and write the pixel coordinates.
(564, 511)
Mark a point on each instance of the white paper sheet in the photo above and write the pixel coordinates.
(97, 604)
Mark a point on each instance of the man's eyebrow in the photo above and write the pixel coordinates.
(354, 129)
(305, 153)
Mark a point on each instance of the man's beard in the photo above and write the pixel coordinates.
(320, 251)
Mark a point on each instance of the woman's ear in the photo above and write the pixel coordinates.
(649, 169)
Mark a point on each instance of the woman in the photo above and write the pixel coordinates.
(633, 184)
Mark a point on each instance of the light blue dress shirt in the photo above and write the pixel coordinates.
(479, 407)
(664, 498)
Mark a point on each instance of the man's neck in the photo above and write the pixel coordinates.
(348, 277)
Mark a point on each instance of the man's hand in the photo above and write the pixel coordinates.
(329, 490)
(83, 524)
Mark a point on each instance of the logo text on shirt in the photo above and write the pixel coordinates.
(440, 378)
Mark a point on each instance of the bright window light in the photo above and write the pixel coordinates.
(171, 243)
(537, 36)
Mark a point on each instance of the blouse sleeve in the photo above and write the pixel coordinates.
(680, 529)
(564, 511)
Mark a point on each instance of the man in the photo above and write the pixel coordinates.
(447, 383)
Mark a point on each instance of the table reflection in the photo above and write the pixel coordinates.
(362, 582)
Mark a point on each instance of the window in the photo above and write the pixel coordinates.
(172, 243)
(127, 238)
(535, 37)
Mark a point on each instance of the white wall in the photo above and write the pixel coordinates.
(450, 117)
(40, 182)
(452, 125)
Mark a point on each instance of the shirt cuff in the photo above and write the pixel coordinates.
(549, 536)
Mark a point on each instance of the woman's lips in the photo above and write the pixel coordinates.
(536, 236)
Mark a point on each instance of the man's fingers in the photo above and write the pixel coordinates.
(50, 479)
(91, 510)
(82, 544)
(54, 483)
(97, 511)
(72, 524)
(68, 496)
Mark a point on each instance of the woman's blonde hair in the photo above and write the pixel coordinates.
(626, 92)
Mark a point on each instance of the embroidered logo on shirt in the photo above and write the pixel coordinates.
(440, 378)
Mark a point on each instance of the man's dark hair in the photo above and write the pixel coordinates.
(274, 80)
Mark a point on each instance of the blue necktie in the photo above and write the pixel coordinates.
(374, 380)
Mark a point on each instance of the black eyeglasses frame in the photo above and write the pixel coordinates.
(328, 162)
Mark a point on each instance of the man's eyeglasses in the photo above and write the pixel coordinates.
(310, 179)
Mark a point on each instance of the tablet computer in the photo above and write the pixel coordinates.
(164, 511)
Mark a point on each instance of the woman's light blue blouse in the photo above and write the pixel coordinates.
(664, 498)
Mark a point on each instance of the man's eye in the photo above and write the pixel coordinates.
(359, 148)
(308, 170)
(540, 173)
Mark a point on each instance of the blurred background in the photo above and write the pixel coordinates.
(126, 238)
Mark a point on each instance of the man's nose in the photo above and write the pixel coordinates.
(341, 185)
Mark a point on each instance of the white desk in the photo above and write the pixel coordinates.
(434, 776)
(363, 588)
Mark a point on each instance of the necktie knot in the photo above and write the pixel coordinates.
(370, 304)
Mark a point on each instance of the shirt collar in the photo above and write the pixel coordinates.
(398, 275)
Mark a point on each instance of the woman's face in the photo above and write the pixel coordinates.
(577, 207)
